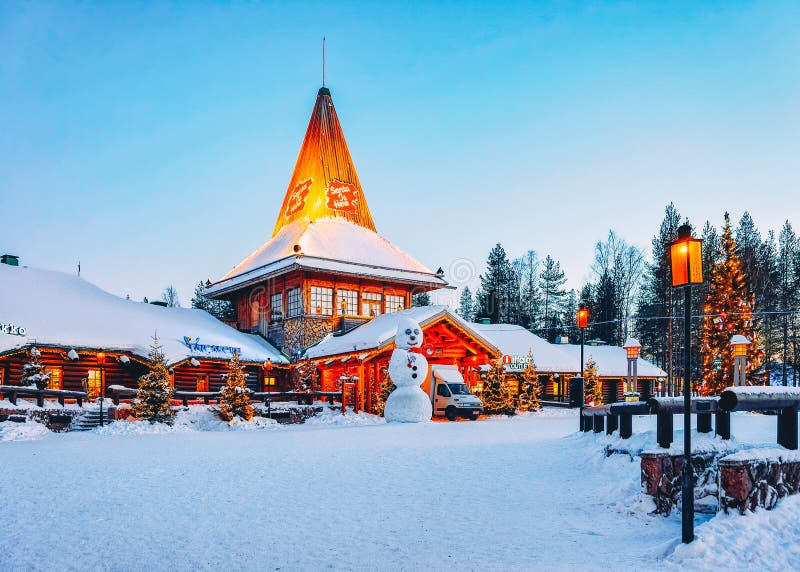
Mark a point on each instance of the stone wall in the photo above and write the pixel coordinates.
(299, 333)
(757, 479)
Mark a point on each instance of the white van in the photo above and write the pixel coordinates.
(450, 395)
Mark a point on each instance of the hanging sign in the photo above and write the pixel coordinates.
(297, 198)
(12, 329)
(195, 346)
(341, 196)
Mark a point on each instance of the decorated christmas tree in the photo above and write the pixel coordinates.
(530, 389)
(155, 389)
(594, 388)
(33, 372)
(728, 311)
(234, 398)
(496, 395)
(386, 386)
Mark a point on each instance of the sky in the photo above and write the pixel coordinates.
(153, 142)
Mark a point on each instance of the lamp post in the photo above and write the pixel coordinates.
(739, 345)
(632, 347)
(577, 383)
(686, 260)
(267, 370)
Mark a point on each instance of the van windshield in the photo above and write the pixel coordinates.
(459, 388)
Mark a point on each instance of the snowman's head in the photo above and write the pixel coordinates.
(409, 334)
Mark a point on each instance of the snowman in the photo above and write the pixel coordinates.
(408, 369)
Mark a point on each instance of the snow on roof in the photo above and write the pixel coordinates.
(63, 310)
(612, 361)
(516, 341)
(381, 330)
(329, 244)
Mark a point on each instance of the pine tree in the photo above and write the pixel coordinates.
(493, 296)
(33, 372)
(728, 311)
(551, 285)
(306, 378)
(594, 388)
(496, 394)
(530, 299)
(786, 290)
(234, 398)
(155, 389)
(465, 305)
(220, 309)
(386, 388)
(420, 299)
(530, 389)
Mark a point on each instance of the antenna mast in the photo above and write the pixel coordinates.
(323, 61)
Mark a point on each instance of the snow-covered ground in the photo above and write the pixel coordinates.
(356, 493)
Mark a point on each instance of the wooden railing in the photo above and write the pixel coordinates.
(207, 397)
(15, 391)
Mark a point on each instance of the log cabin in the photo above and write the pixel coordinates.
(90, 339)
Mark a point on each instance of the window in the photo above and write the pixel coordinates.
(269, 383)
(442, 390)
(55, 377)
(322, 300)
(202, 383)
(513, 386)
(347, 302)
(294, 300)
(94, 383)
(370, 303)
(276, 306)
(395, 303)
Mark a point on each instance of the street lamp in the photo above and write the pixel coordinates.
(632, 348)
(739, 345)
(686, 259)
(577, 390)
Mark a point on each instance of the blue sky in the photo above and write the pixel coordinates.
(154, 142)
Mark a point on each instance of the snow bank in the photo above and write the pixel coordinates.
(771, 454)
(767, 392)
(334, 418)
(764, 540)
(30, 431)
(195, 418)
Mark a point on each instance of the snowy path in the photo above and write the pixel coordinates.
(494, 494)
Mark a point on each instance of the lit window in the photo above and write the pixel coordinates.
(276, 305)
(347, 302)
(394, 303)
(294, 302)
(371, 303)
(513, 386)
(269, 382)
(202, 383)
(55, 377)
(322, 300)
(94, 383)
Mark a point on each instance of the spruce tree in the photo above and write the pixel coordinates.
(155, 389)
(493, 296)
(530, 389)
(33, 373)
(787, 294)
(220, 309)
(530, 299)
(421, 299)
(551, 284)
(594, 388)
(234, 398)
(496, 394)
(728, 311)
(465, 305)
(306, 378)
(386, 387)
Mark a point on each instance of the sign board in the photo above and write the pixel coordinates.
(196, 347)
(12, 329)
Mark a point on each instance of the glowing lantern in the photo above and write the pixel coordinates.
(582, 317)
(686, 255)
(101, 357)
(739, 345)
(268, 365)
(632, 347)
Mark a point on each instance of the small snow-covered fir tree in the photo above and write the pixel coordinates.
(496, 394)
(530, 389)
(305, 378)
(594, 388)
(155, 389)
(234, 398)
(385, 388)
(33, 372)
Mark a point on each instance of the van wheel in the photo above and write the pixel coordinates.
(450, 413)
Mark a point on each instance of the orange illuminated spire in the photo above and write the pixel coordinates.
(324, 183)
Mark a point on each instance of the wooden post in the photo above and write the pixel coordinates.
(13, 397)
(612, 424)
(588, 424)
(723, 424)
(664, 429)
(625, 425)
(646, 394)
(703, 422)
(61, 400)
(40, 399)
(787, 427)
(599, 423)
(185, 401)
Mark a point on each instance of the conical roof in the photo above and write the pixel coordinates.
(324, 183)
